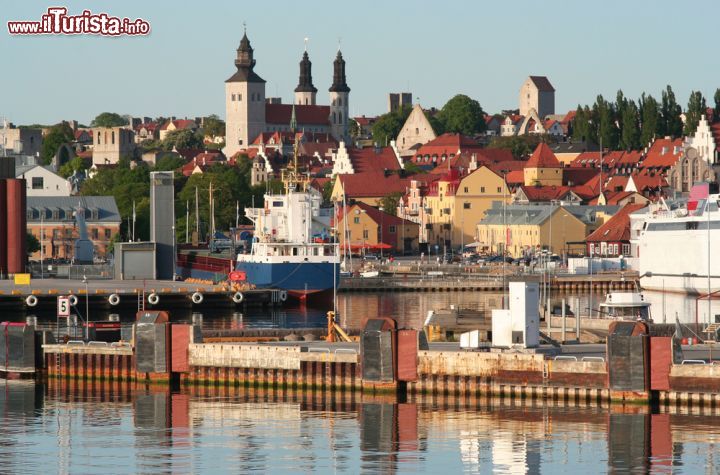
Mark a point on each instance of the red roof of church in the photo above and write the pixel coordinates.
(447, 144)
(369, 159)
(543, 157)
(179, 124)
(304, 114)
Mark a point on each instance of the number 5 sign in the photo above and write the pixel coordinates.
(63, 307)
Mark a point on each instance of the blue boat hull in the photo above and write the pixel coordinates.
(298, 279)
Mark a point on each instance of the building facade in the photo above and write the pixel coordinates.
(20, 141)
(51, 219)
(41, 181)
(364, 228)
(537, 93)
(416, 131)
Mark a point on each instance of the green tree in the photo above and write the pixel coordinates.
(169, 162)
(716, 99)
(327, 191)
(462, 115)
(184, 138)
(109, 119)
(388, 126)
(354, 129)
(670, 111)
(519, 145)
(57, 135)
(630, 127)
(695, 110)
(582, 129)
(32, 243)
(604, 113)
(413, 168)
(72, 166)
(390, 202)
(213, 126)
(649, 119)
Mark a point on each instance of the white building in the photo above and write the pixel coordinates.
(42, 181)
(703, 141)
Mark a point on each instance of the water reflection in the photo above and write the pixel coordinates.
(102, 428)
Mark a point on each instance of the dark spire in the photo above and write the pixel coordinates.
(339, 81)
(245, 63)
(305, 84)
(293, 120)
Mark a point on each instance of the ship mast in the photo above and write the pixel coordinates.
(291, 176)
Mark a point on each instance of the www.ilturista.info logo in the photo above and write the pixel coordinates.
(57, 22)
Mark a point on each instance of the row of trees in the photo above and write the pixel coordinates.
(461, 114)
(231, 185)
(627, 124)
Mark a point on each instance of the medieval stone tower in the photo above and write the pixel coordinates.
(244, 102)
(339, 96)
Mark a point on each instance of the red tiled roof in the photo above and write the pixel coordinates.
(617, 183)
(179, 124)
(569, 117)
(374, 214)
(616, 228)
(663, 153)
(543, 157)
(304, 114)
(574, 176)
(367, 159)
(545, 193)
(645, 181)
(448, 145)
(515, 177)
(372, 184)
(364, 121)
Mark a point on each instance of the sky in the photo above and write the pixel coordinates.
(433, 49)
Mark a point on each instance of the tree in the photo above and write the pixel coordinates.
(169, 162)
(671, 123)
(581, 126)
(604, 113)
(462, 115)
(72, 166)
(389, 203)
(184, 138)
(388, 126)
(629, 127)
(109, 119)
(649, 119)
(695, 110)
(57, 135)
(213, 126)
(327, 191)
(519, 145)
(413, 168)
(716, 98)
(32, 243)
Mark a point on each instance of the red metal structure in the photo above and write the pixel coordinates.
(16, 227)
(3, 228)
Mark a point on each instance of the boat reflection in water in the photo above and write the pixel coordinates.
(71, 427)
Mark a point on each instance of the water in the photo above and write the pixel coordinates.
(97, 429)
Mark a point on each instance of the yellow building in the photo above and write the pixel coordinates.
(454, 205)
(531, 228)
(543, 168)
(368, 187)
(364, 228)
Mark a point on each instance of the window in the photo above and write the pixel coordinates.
(466, 189)
(112, 137)
(365, 234)
(392, 229)
(108, 234)
(482, 189)
(37, 183)
(239, 97)
(626, 249)
(68, 232)
(499, 189)
(233, 97)
(356, 220)
(94, 233)
(466, 205)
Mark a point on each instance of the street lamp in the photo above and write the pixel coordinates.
(505, 231)
(382, 212)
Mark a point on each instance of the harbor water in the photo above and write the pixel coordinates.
(97, 429)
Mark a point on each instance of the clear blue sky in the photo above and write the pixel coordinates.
(435, 49)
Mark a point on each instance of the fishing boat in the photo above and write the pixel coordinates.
(626, 306)
(286, 252)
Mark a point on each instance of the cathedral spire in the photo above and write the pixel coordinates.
(339, 81)
(245, 62)
(293, 120)
(305, 83)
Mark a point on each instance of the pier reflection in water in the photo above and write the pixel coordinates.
(96, 428)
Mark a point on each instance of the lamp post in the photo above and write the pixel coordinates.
(505, 232)
(42, 238)
(174, 256)
(382, 212)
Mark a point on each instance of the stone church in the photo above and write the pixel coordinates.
(248, 113)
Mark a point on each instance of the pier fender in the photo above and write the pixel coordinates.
(283, 295)
(73, 300)
(153, 299)
(238, 297)
(31, 301)
(114, 299)
(197, 298)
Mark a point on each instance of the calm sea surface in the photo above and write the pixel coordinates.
(99, 430)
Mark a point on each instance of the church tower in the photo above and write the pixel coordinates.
(339, 95)
(244, 102)
(305, 91)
